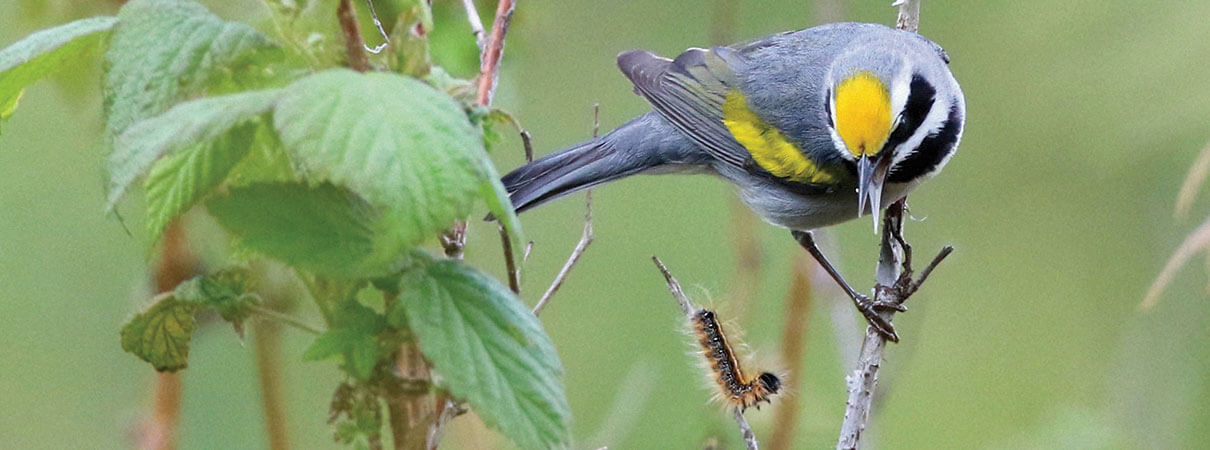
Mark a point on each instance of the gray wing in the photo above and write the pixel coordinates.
(689, 92)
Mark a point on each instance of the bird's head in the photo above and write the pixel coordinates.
(885, 105)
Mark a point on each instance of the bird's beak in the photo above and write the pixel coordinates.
(871, 173)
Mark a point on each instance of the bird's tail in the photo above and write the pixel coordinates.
(635, 147)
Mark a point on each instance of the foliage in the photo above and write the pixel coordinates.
(342, 176)
(489, 349)
(160, 335)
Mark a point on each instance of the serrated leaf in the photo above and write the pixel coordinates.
(192, 123)
(323, 228)
(161, 334)
(489, 349)
(394, 140)
(354, 337)
(179, 181)
(164, 51)
(43, 52)
(266, 162)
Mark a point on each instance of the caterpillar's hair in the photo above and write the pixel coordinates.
(735, 388)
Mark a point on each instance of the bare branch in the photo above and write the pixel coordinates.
(472, 16)
(381, 32)
(749, 436)
(354, 44)
(454, 241)
(674, 287)
(909, 15)
(585, 239)
(1193, 182)
(527, 141)
(510, 263)
(489, 67)
(1198, 240)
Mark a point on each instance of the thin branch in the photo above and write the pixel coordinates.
(489, 70)
(381, 32)
(528, 142)
(674, 286)
(1198, 240)
(909, 15)
(1193, 182)
(266, 340)
(687, 308)
(510, 262)
(472, 16)
(749, 436)
(355, 45)
(489, 66)
(585, 239)
(286, 319)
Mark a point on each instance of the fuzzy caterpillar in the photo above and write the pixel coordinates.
(735, 388)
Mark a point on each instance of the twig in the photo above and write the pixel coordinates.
(489, 65)
(793, 349)
(472, 16)
(687, 308)
(749, 436)
(510, 262)
(585, 239)
(1193, 182)
(286, 319)
(674, 287)
(528, 142)
(355, 45)
(266, 340)
(909, 15)
(381, 32)
(489, 69)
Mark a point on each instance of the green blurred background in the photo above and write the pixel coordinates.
(1084, 116)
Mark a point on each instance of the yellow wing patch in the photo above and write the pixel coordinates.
(863, 113)
(771, 150)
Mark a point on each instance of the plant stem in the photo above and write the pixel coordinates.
(286, 319)
(266, 342)
(355, 45)
(793, 349)
(176, 264)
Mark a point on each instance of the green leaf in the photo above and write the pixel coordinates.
(164, 51)
(394, 140)
(198, 122)
(323, 228)
(354, 337)
(161, 334)
(489, 349)
(225, 291)
(178, 182)
(43, 52)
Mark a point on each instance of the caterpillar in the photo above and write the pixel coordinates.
(735, 388)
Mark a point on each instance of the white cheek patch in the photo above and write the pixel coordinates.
(899, 92)
(932, 124)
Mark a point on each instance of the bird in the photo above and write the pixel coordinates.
(812, 127)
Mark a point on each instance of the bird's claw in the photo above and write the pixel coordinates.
(869, 309)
